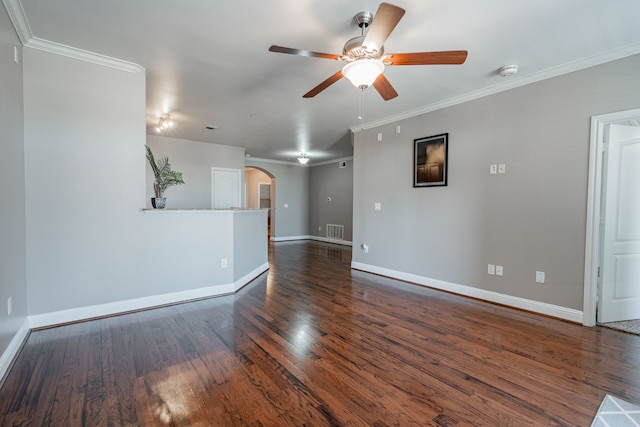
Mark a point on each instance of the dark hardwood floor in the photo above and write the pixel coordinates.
(313, 343)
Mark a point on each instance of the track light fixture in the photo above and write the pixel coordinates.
(164, 123)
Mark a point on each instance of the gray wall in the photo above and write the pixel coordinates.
(85, 182)
(195, 160)
(531, 218)
(337, 183)
(291, 188)
(12, 193)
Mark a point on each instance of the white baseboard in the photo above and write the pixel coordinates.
(289, 238)
(329, 240)
(310, 237)
(238, 284)
(110, 309)
(13, 348)
(508, 300)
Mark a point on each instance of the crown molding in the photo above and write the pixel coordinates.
(581, 64)
(21, 25)
(281, 162)
(332, 161)
(83, 55)
(19, 20)
(296, 163)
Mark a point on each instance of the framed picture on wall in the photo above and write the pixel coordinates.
(430, 161)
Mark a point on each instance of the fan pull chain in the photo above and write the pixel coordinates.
(361, 107)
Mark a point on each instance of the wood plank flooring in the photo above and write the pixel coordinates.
(313, 343)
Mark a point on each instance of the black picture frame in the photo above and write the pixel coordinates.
(431, 161)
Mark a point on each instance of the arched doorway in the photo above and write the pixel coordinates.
(260, 191)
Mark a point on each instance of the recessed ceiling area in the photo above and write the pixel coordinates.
(208, 62)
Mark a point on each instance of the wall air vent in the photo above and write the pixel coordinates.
(335, 231)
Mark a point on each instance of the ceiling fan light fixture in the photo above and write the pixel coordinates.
(363, 72)
(303, 159)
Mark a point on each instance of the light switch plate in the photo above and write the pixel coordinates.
(377, 206)
(502, 168)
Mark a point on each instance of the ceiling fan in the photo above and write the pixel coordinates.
(365, 58)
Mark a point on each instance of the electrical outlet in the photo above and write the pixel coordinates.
(539, 276)
(491, 269)
(9, 307)
(365, 248)
(223, 263)
(499, 270)
(377, 206)
(320, 228)
(493, 169)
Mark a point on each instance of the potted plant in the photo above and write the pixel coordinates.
(164, 178)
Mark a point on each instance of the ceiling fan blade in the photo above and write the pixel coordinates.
(384, 88)
(453, 57)
(384, 21)
(299, 52)
(322, 86)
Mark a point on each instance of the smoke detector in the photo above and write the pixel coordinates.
(508, 70)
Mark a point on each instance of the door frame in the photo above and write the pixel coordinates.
(260, 184)
(594, 209)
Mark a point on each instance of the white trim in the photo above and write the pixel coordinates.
(240, 283)
(19, 20)
(329, 162)
(594, 194)
(310, 237)
(14, 347)
(23, 29)
(120, 307)
(329, 240)
(508, 300)
(282, 162)
(296, 163)
(289, 238)
(83, 55)
(619, 53)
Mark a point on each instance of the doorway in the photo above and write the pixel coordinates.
(612, 250)
(260, 190)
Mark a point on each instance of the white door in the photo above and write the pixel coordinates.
(225, 188)
(619, 297)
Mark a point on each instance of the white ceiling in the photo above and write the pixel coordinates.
(207, 61)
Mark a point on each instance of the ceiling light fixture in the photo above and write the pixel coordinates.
(164, 123)
(363, 72)
(303, 159)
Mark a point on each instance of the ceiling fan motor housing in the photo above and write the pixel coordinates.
(353, 49)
